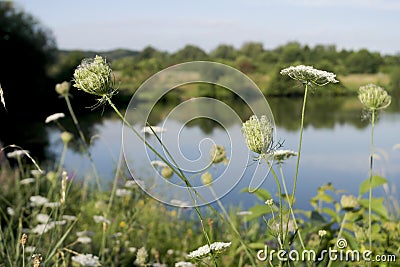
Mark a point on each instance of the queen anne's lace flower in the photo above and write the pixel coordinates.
(122, 192)
(184, 264)
(27, 181)
(86, 260)
(309, 75)
(374, 97)
(38, 200)
(54, 117)
(204, 251)
(99, 219)
(141, 257)
(282, 155)
(258, 134)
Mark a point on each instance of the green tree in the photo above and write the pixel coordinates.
(364, 61)
(224, 52)
(189, 53)
(27, 49)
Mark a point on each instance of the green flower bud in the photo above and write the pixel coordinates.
(167, 172)
(218, 154)
(94, 76)
(206, 178)
(66, 137)
(374, 97)
(63, 88)
(349, 202)
(258, 134)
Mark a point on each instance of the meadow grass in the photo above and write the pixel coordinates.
(53, 218)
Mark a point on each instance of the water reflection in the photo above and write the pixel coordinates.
(336, 142)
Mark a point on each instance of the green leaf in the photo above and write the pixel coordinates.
(262, 194)
(258, 211)
(377, 206)
(332, 213)
(316, 217)
(376, 181)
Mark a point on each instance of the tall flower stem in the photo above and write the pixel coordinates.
(370, 179)
(339, 236)
(178, 172)
(83, 140)
(299, 149)
(290, 209)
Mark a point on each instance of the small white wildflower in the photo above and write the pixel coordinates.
(132, 249)
(27, 181)
(130, 184)
(141, 256)
(99, 219)
(69, 217)
(116, 235)
(216, 247)
(86, 260)
(244, 213)
(85, 233)
(282, 155)
(17, 153)
(42, 228)
(349, 202)
(52, 204)
(156, 129)
(308, 75)
(62, 222)
(84, 240)
(54, 117)
(10, 211)
(30, 249)
(184, 264)
(42, 218)
(322, 233)
(170, 251)
(38, 201)
(270, 202)
(36, 173)
(158, 163)
(180, 203)
(122, 192)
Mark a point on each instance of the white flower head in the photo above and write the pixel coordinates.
(184, 264)
(42, 228)
(69, 217)
(244, 213)
(322, 233)
(10, 211)
(52, 204)
(141, 257)
(100, 219)
(309, 75)
(84, 240)
(27, 181)
(269, 202)
(158, 163)
(282, 155)
(42, 218)
(156, 129)
(38, 201)
(122, 192)
(54, 117)
(18, 153)
(374, 97)
(204, 251)
(86, 260)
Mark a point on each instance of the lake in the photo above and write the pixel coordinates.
(335, 150)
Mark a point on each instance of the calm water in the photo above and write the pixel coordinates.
(335, 146)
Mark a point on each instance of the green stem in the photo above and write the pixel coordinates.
(281, 236)
(232, 225)
(339, 236)
(83, 140)
(291, 209)
(370, 181)
(179, 172)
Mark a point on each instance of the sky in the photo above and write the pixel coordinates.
(169, 25)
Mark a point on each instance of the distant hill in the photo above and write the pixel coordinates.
(110, 55)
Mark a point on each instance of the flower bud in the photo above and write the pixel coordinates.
(349, 202)
(63, 88)
(258, 134)
(206, 178)
(374, 97)
(167, 172)
(218, 154)
(66, 137)
(94, 76)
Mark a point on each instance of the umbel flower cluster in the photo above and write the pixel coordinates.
(374, 97)
(94, 76)
(309, 75)
(204, 251)
(258, 134)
